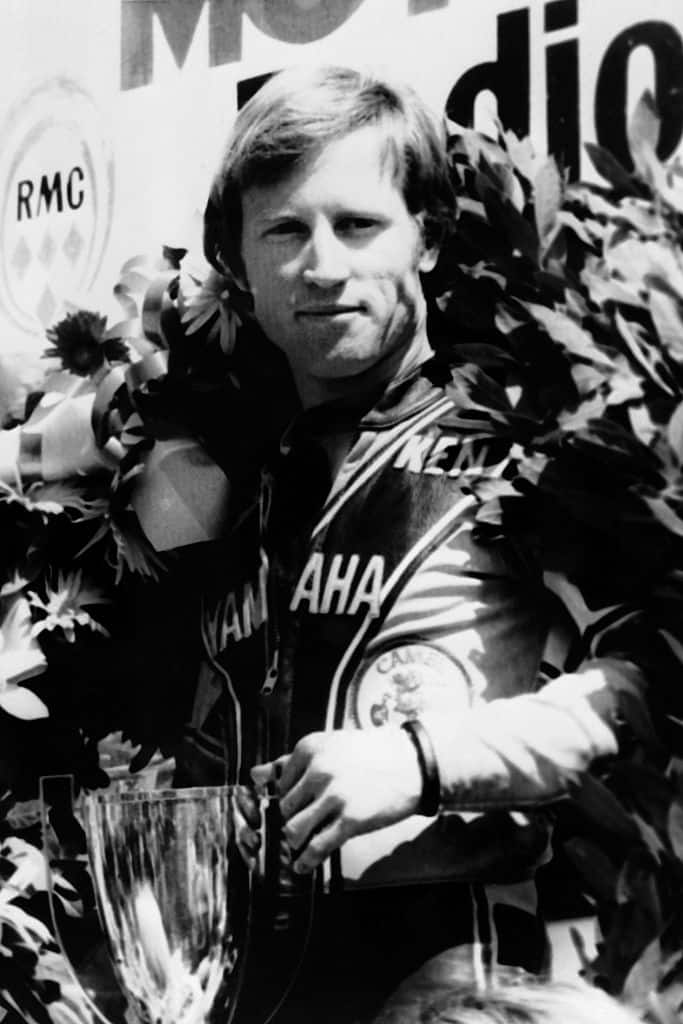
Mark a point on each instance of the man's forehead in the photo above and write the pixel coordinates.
(360, 162)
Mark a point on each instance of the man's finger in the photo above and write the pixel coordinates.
(308, 820)
(292, 769)
(297, 798)
(262, 774)
(319, 847)
(245, 832)
(249, 842)
(270, 771)
(246, 802)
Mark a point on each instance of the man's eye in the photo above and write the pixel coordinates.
(286, 228)
(357, 225)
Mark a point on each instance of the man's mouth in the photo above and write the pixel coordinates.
(328, 311)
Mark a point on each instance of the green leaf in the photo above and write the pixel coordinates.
(610, 169)
(642, 351)
(649, 836)
(591, 408)
(598, 871)
(642, 132)
(547, 199)
(637, 883)
(506, 320)
(576, 304)
(674, 432)
(666, 316)
(642, 216)
(667, 516)
(521, 152)
(642, 424)
(504, 217)
(602, 807)
(643, 978)
(604, 287)
(510, 186)
(600, 207)
(635, 711)
(586, 378)
(674, 644)
(588, 232)
(647, 788)
(575, 339)
(624, 386)
(482, 269)
(675, 828)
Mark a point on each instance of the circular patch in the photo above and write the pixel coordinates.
(407, 682)
(56, 180)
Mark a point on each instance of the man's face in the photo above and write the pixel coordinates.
(332, 258)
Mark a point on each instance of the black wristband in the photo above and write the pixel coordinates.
(430, 798)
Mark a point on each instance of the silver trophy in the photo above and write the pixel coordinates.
(173, 898)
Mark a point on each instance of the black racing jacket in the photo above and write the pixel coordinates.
(361, 597)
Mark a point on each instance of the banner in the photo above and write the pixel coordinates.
(114, 113)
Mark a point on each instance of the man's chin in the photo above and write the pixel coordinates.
(353, 378)
(344, 369)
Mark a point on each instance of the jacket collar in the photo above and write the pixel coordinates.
(384, 408)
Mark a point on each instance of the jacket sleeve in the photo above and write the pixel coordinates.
(527, 749)
(559, 676)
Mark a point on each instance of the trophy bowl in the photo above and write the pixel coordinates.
(173, 897)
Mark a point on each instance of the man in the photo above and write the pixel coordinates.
(365, 656)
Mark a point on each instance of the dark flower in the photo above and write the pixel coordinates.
(80, 341)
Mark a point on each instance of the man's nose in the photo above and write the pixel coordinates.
(326, 258)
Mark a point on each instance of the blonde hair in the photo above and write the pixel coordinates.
(448, 990)
(541, 1002)
(299, 111)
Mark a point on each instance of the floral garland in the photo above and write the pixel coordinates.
(557, 310)
(85, 595)
(566, 306)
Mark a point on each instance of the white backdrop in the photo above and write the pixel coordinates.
(114, 112)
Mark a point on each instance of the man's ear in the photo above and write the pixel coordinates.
(428, 258)
(431, 246)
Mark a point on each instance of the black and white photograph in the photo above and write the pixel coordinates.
(341, 512)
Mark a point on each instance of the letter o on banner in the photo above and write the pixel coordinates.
(666, 47)
(300, 21)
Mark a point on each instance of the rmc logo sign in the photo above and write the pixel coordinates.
(57, 201)
(508, 76)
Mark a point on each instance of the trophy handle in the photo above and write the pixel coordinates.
(57, 796)
(282, 921)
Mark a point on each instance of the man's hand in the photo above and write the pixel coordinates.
(335, 785)
(246, 815)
